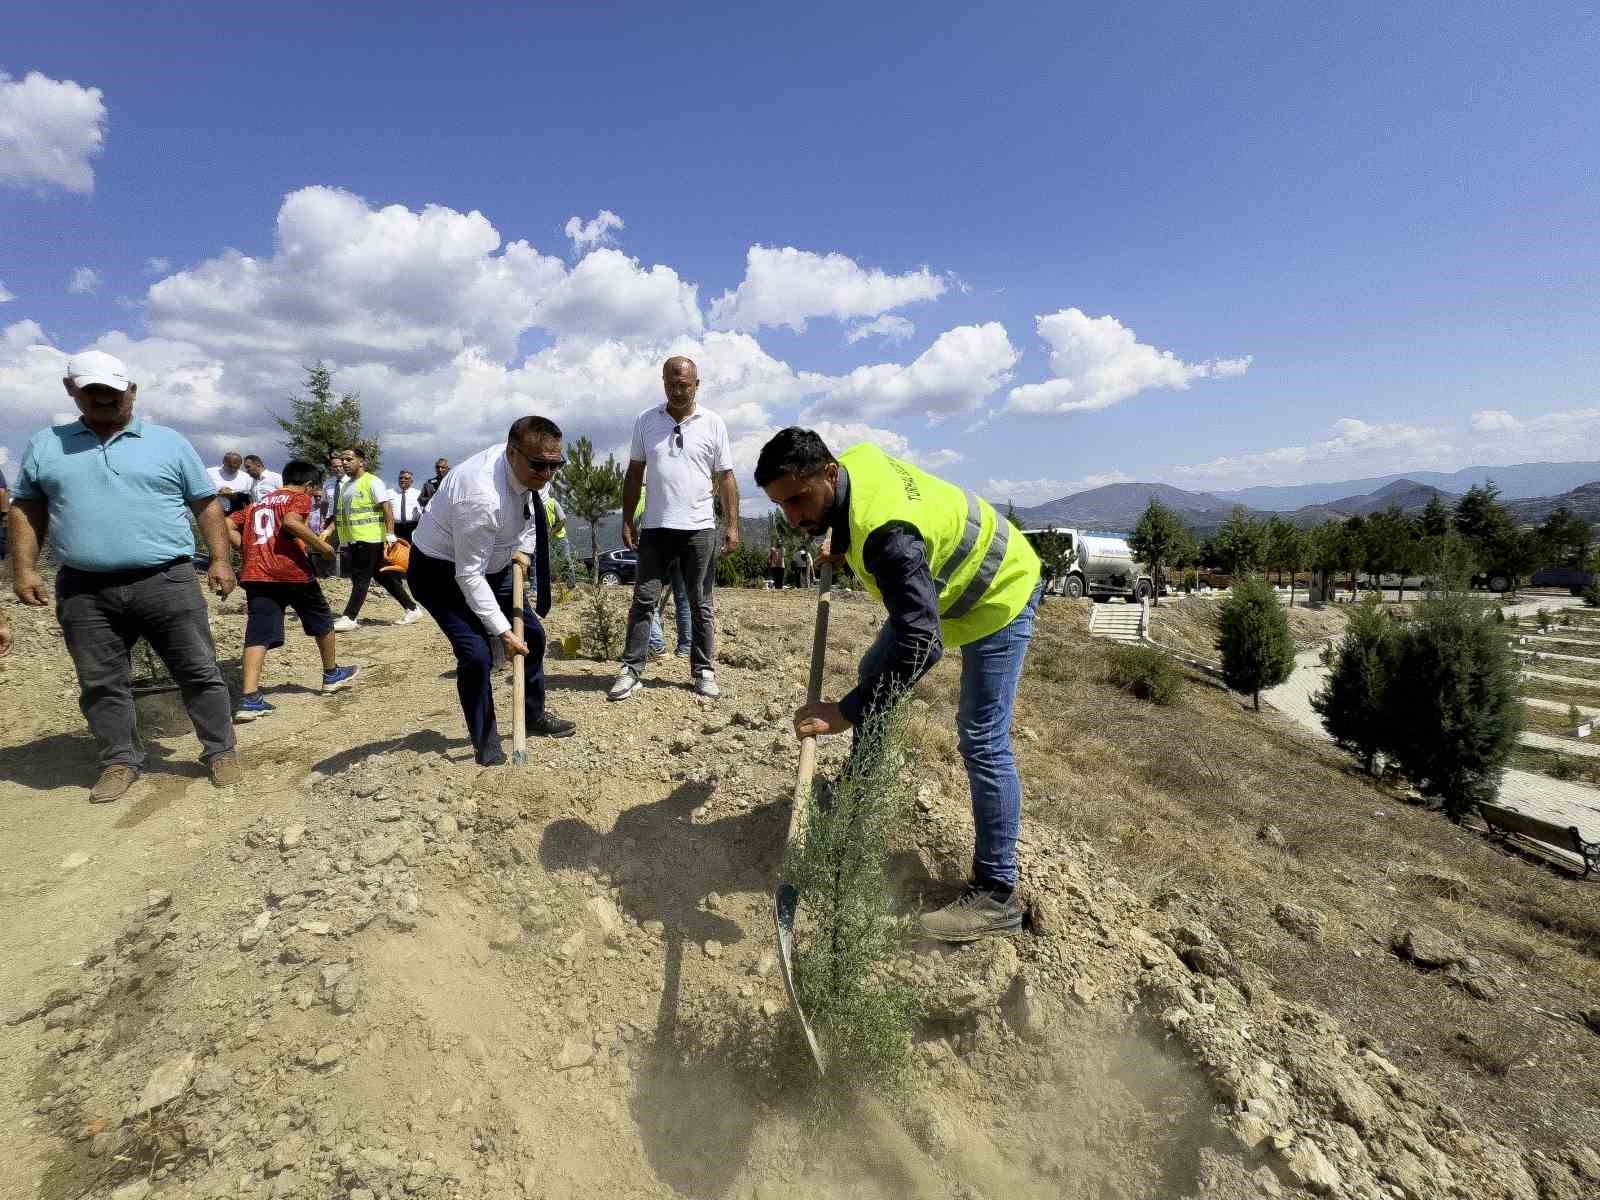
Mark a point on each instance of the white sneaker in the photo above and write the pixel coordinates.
(344, 625)
(705, 684)
(411, 617)
(627, 683)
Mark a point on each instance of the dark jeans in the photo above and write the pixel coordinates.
(695, 550)
(365, 559)
(405, 529)
(102, 615)
(434, 582)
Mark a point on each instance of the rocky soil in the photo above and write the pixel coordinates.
(378, 971)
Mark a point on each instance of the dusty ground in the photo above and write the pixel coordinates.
(375, 970)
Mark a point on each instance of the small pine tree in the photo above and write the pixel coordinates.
(1056, 555)
(1352, 705)
(1453, 708)
(1591, 595)
(837, 865)
(1156, 540)
(589, 490)
(1257, 651)
(320, 422)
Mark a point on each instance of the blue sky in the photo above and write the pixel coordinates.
(1212, 245)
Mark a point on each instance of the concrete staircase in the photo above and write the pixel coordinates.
(1117, 622)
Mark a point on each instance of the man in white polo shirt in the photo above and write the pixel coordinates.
(686, 452)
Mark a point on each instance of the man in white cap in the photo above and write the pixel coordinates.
(113, 493)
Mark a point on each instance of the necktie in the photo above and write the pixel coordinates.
(403, 517)
(541, 558)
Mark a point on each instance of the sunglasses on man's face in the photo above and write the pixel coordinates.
(541, 464)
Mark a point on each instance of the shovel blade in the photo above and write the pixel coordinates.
(784, 903)
(519, 758)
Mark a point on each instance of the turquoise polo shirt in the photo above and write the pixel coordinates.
(118, 505)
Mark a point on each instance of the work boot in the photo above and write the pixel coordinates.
(225, 769)
(547, 724)
(977, 912)
(113, 783)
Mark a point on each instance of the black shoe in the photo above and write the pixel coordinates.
(547, 724)
(497, 759)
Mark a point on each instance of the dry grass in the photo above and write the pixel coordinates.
(1174, 799)
(1549, 689)
(1190, 623)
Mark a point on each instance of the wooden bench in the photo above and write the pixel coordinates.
(1505, 822)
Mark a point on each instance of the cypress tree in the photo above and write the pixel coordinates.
(1257, 651)
(1353, 701)
(1453, 708)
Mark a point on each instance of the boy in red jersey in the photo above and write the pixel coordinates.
(277, 575)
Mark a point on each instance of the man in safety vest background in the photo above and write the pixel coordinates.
(944, 563)
(365, 521)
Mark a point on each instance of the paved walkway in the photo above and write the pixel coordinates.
(1555, 800)
(1569, 680)
(1546, 656)
(1557, 706)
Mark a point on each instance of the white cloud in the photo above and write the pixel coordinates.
(5, 295)
(351, 283)
(839, 436)
(157, 266)
(1493, 420)
(1377, 446)
(955, 374)
(607, 294)
(1572, 433)
(85, 281)
(1098, 362)
(788, 287)
(49, 130)
(179, 384)
(889, 328)
(586, 235)
(1037, 491)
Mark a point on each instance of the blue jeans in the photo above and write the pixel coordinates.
(680, 613)
(991, 669)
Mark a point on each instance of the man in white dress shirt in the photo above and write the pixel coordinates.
(262, 481)
(407, 502)
(470, 534)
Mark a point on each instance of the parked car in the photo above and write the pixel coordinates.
(1574, 579)
(616, 566)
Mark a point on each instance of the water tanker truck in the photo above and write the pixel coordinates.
(1101, 566)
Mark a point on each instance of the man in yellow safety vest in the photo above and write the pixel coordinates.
(365, 521)
(945, 565)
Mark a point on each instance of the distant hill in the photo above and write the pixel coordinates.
(1583, 500)
(1407, 494)
(1516, 481)
(1117, 507)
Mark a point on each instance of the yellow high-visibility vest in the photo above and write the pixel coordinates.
(360, 515)
(985, 571)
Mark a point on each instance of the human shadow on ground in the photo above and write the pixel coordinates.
(73, 759)
(693, 1108)
(422, 741)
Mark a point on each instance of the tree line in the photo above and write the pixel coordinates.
(1477, 537)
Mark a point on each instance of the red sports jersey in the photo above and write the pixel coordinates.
(271, 554)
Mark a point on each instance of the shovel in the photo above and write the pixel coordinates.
(519, 683)
(787, 898)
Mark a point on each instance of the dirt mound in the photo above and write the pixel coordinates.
(384, 972)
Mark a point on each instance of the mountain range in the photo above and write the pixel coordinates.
(1118, 506)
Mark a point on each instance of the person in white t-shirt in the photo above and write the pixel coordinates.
(686, 452)
(231, 482)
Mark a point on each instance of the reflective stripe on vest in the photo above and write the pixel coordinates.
(360, 518)
(984, 576)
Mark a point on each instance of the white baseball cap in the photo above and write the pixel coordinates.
(97, 367)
